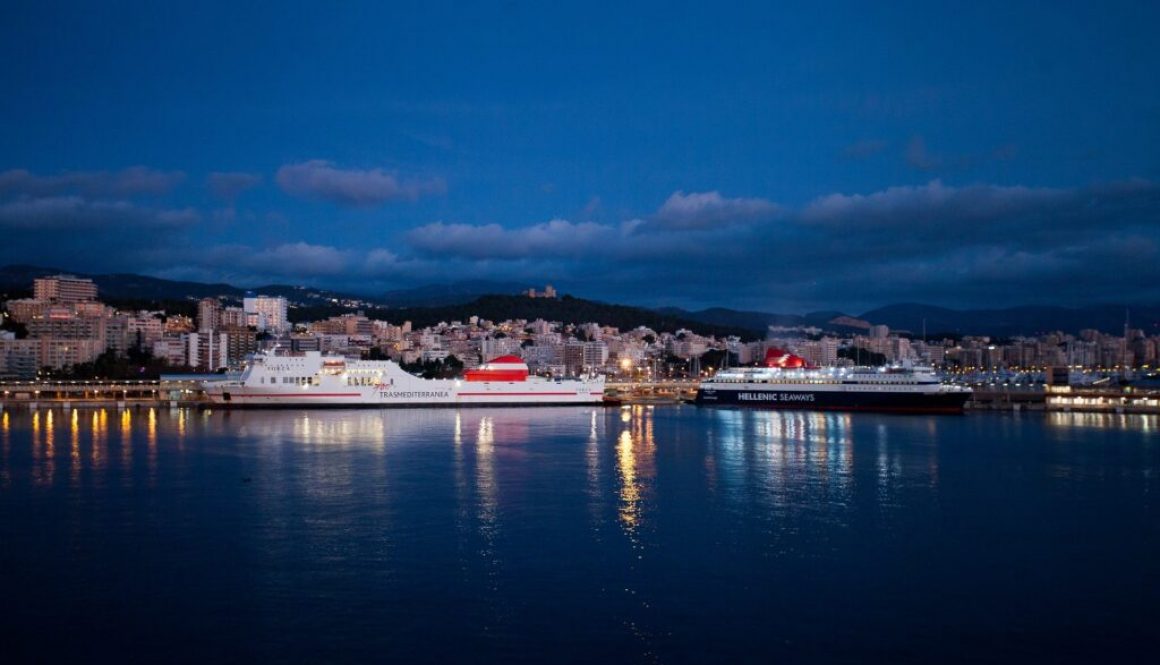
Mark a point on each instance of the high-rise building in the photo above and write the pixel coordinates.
(581, 357)
(64, 288)
(206, 351)
(19, 358)
(267, 313)
(66, 339)
(209, 314)
(143, 329)
(233, 318)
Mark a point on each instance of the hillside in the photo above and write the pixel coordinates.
(566, 310)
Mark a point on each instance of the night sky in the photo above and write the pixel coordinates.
(779, 156)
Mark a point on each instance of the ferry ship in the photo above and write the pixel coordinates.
(312, 379)
(787, 381)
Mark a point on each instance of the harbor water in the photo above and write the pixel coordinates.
(667, 534)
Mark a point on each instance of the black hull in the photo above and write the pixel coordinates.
(883, 402)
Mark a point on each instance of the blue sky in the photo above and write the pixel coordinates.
(776, 156)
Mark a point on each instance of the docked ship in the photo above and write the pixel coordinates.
(312, 379)
(787, 381)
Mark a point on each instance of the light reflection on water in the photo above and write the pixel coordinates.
(1107, 421)
(646, 529)
(593, 488)
(95, 441)
(775, 457)
(5, 446)
(635, 454)
(74, 466)
(778, 458)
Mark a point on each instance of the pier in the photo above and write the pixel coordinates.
(68, 394)
(668, 391)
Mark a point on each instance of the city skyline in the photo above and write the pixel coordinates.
(782, 160)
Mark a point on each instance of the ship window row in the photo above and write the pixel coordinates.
(361, 381)
(781, 381)
(297, 380)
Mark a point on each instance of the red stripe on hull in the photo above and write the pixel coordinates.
(292, 395)
(523, 394)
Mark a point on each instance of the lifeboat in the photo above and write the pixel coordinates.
(504, 368)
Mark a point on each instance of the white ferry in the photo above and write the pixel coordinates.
(312, 379)
(787, 381)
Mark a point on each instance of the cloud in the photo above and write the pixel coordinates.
(556, 238)
(969, 245)
(911, 206)
(73, 212)
(979, 244)
(956, 245)
(709, 209)
(228, 186)
(321, 180)
(130, 182)
(248, 265)
(299, 258)
(381, 261)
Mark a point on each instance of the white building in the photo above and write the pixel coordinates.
(266, 313)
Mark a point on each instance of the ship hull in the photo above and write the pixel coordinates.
(246, 401)
(846, 400)
(244, 397)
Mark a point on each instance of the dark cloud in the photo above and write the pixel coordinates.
(130, 182)
(62, 213)
(978, 244)
(322, 180)
(556, 238)
(682, 226)
(228, 186)
(247, 265)
(909, 207)
(300, 258)
(973, 245)
(90, 236)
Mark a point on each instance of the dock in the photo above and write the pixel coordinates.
(184, 390)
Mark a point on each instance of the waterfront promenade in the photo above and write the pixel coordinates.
(184, 390)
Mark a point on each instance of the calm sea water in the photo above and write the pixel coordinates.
(668, 534)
